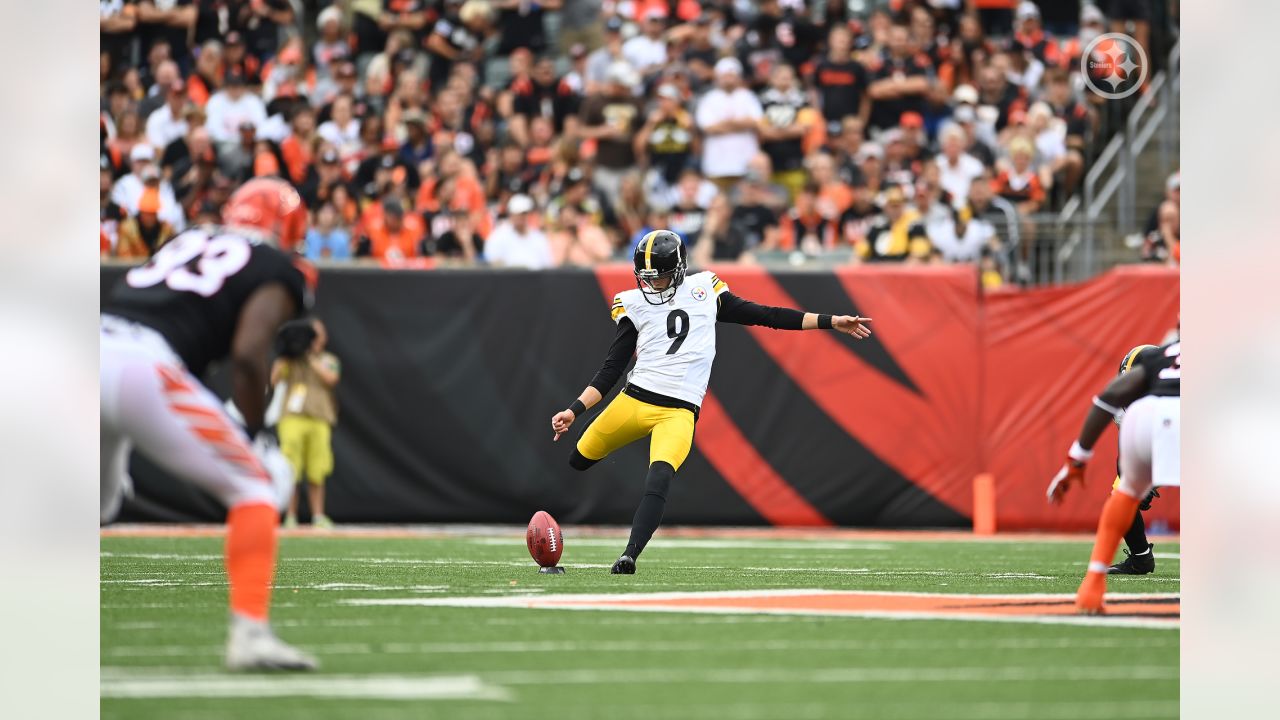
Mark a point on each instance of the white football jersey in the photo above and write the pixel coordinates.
(677, 339)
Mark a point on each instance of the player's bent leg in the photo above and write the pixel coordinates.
(181, 426)
(1140, 556)
(1118, 512)
(113, 473)
(619, 425)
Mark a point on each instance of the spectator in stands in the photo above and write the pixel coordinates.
(897, 235)
(805, 229)
(190, 161)
(521, 24)
(842, 82)
(129, 189)
(647, 51)
(328, 238)
(786, 120)
(604, 57)
(857, 220)
(667, 144)
(390, 233)
(168, 122)
(231, 108)
(577, 242)
(128, 135)
(263, 21)
(297, 148)
(322, 178)
(207, 77)
(995, 90)
(900, 84)
(833, 196)
(729, 117)
(331, 47)
(1019, 183)
(1164, 244)
(689, 202)
(753, 224)
(844, 147)
(458, 36)
(612, 119)
(143, 232)
(342, 130)
(167, 73)
(956, 168)
(515, 242)
(110, 215)
(717, 242)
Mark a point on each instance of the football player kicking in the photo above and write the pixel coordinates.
(1149, 442)
(211, 293)
(669, 323)
(1140, 558)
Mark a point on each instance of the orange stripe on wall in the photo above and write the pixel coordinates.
(735, 458)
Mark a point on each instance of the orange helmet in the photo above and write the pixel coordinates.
(270, 205)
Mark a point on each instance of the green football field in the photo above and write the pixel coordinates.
(460, 625)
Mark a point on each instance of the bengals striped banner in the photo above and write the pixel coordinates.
(450, 379)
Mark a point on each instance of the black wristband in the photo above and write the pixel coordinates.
(577, 408)
(824, 322)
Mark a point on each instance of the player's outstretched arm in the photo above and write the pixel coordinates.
(620, 352)
(1106, 405)
(734, 309)
(266, 310)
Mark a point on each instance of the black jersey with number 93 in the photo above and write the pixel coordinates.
(193, 289)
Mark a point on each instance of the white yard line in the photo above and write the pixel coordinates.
(636, 646)
(369, 687)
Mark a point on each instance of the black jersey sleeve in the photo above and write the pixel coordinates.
(734, 309)
(620, 352)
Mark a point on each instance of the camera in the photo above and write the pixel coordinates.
(295, 338)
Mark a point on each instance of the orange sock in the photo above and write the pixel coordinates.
(251, 558)
(1117, 516)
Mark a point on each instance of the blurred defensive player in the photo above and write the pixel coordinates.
(1140, 557)
(669, 323)
(211, 293)
(1149, 445)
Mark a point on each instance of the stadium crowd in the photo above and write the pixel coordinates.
(541, 134)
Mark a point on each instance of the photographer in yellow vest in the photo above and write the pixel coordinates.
(309, 411)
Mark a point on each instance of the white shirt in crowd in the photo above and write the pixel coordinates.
(643, 51)
(508, 247)
(224, 115)
(956, 179)
(163, 128)
(128, 191)
(345, 139)
(727, 155)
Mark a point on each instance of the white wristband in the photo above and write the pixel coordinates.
(1106, 406)
(1079, 454)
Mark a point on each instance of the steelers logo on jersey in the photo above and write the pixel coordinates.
(699, 293)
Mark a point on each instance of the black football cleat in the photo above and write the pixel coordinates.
(1143, 564)
(626, 565)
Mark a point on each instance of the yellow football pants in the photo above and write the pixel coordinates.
(627, 419)
(305, 443)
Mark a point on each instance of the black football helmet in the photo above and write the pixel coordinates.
(1134, 357)
(660, 256)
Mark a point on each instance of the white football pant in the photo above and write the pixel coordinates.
(1149, 445)
(149, 400)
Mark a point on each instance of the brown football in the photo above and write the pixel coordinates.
(544, 539)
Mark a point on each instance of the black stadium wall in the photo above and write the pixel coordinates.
(450, 378)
